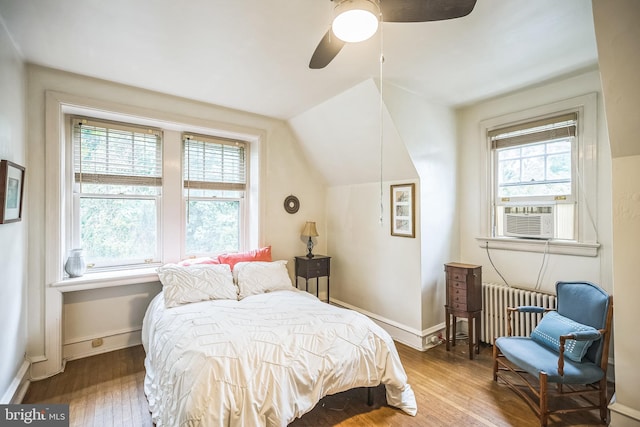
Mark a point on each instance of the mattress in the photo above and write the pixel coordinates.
(262, 361)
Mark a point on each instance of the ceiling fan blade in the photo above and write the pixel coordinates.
(424, 10)
(327, 49)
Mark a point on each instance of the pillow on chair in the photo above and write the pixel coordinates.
(553, 325)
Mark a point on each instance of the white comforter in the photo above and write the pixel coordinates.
(262, 361)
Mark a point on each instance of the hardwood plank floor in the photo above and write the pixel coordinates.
(451, 390)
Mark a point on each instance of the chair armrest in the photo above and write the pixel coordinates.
(523, 309)
(578, 336)
(531, 309)
(584, 335)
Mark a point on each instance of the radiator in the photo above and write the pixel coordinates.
(495, 300)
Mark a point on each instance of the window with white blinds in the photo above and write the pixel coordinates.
(534, 159)
(534, 165)
(117, 183)
(215, 180)
(116, 156)
(214, 163)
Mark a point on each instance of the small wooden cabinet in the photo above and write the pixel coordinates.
(464, 299)
(316, 267)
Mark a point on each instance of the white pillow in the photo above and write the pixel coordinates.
(201, 282)
(258, 277)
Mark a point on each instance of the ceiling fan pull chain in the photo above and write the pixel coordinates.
(381, 118)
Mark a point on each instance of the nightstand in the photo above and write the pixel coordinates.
(310, 268)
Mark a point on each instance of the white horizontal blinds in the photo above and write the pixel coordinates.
(116, 154)
(214, 163)
(546, 129)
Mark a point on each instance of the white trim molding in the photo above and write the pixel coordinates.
(586, 164)
(109, 341)
(622, 415)
(562, 247)
(418, 340)
(59, 104)
(18, 387)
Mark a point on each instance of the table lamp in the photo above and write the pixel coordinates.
(310, 231)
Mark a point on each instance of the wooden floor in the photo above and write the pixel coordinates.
(451, 390)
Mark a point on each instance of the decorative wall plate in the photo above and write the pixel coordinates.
(291, 204)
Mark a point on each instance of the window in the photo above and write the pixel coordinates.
(117, 185)
(214, 179)
(534, 171)
(146, 195)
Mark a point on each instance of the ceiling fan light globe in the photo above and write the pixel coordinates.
(355, 21)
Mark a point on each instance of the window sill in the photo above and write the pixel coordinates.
(107, 279)
(562, 247)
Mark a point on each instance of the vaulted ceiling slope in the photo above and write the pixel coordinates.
(343, 138)
(253, 55)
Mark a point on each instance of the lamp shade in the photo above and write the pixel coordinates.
(355, 20)
(310, 229)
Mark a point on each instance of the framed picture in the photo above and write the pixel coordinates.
(403, 210)
(11, 191)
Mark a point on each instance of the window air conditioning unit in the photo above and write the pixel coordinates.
(534, 222)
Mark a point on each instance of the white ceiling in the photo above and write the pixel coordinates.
(253, 55)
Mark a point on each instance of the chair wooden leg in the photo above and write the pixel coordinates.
(495, 361)
(544, 413)
(604, 412)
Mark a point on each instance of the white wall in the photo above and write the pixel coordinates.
(618, 39)
(398, 281)
(429, 133)
(283, 171)
(626, 200)
(522, 268)
(371, 271)
(13, 236)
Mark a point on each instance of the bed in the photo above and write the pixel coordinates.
(249, 349)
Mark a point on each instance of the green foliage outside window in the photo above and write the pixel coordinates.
(213, 226)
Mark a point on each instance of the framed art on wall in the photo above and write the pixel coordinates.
(403, 210)
(11, 191)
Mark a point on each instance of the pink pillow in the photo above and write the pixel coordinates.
(262, 254)
(193, 261)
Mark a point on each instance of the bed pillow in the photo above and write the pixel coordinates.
(262, 254)
(553, 325)
(258, 277)
(201, 282)
(202, 260)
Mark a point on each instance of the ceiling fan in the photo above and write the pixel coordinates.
(367, 14)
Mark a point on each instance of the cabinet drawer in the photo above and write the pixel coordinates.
(460, 306)
(459, 298)
(455, 284)
(318, 270)
(459, 274)
(313, 267)
(457, 293)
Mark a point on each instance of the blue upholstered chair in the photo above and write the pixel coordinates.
(568, 347)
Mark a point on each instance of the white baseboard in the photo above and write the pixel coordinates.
(622, 415)
(114, 340)
(18, 387)
(419, 340)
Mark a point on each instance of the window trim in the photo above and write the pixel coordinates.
(239, 185)
(58, 106)
(586, 243)
(74, 217)
(539, 199)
